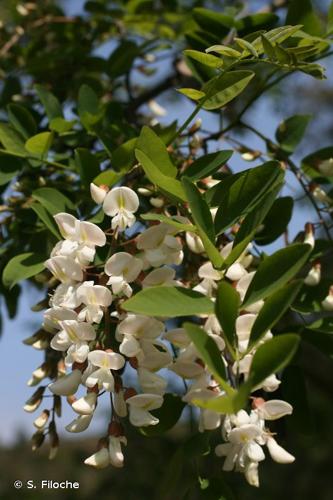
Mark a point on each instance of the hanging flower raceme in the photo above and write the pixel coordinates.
(101, 346)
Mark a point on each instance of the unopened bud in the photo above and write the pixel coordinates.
(41, 421)
(35, 400)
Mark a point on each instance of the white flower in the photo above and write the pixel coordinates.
(82, 232)
(160, 246)
(123, 269)
(73, 337)
(82, 254)
(99, 460)
(105, 361)
(154, 355)
(178, 337)
(116, 455)
(134, 328)
(98, 193)
(85, 405)
(151, 382)
(194, 242)
(54, 315)
(66, 385)
(242, 286)
(64, 269)
(139, 407)
(80, 423)
(121, 203)
(94, 297)
(65, 296)
(327, 303)
(273, 409)
(156, 108)
(278, 454)
(313, 276)
(163, 276)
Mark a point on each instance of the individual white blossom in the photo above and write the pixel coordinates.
(121, 203)
(140, 406)
(160, 246)
(95, 298)
(104, 362)
(123, 269)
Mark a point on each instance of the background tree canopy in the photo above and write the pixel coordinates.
(217, 115)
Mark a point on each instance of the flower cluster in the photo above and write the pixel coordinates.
(94, 345)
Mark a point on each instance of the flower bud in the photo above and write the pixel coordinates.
(41, 421)
(37, 440)
(314, 275)
(35, 400)
(98, 193)
(326, 167)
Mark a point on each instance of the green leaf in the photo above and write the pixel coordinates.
(254, 22)
(22, 120)
(253, 221)
(9, 168)
(108, 177)
(199, 209)
(193, 94)
(240, 193)
(227, 404)
(60, 125)
(203, 221)
(169, 220)
(88, 107)
(122, 58)
(155, 149)
(46, 218)
(247, 47)
(224, 51)
(87, 164)
(276, 221)
(290, 132)
(12, 140)
(302, 12)
(168, 301)
(213, 22)
(51, 104)
(207, 165)
(53, 200)
(268, 48)
(273, 309)
(227, 311)
(205, 59)
(22, 267)
(276, 35)
(272, 356)
(275, 271)
(224, 88)
(170, 186)
(123, 157)
(39, 144)
(209, 353)
(168, 415)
